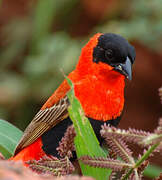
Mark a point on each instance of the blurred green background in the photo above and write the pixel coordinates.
(38, 38)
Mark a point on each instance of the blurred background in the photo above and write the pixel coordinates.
(40, 37)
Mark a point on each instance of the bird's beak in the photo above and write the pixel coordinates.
(125, 68)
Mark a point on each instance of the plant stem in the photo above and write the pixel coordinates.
(140, 161)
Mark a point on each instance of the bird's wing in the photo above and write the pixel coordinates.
(43, 121)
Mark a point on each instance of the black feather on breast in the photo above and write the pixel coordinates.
(52, 137)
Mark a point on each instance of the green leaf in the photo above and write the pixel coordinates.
(152, 171)
(9, 137)
(86, 142)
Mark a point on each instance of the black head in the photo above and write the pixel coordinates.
(114, 50)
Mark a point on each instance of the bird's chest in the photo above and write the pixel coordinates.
(100, 100)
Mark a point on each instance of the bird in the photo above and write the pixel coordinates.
(99, 78)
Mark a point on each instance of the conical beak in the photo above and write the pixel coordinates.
(125, 68)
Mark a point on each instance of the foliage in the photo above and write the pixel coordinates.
(116, 140)
(9, 137)
(141, 22)
(66, 145)
(86, 142)
(52, 165)
(88, 150)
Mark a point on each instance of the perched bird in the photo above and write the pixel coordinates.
(99, 81)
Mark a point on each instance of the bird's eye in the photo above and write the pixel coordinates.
(109, 54)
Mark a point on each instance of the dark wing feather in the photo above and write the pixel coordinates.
(42, 122)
